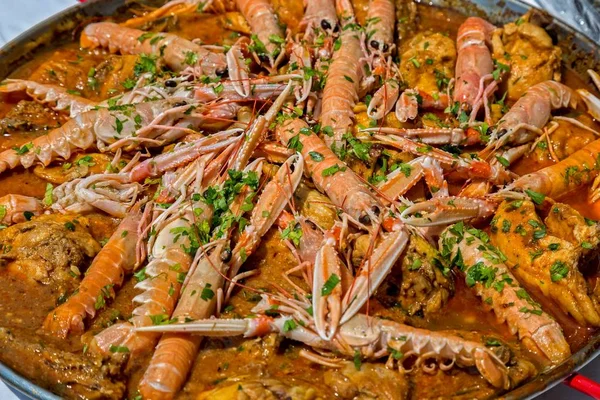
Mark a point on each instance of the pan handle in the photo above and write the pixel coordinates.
(584, 385)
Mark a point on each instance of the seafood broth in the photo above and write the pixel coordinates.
(365, 210)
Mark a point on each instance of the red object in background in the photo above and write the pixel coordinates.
(584, 385)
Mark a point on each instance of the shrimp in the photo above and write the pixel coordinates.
(272, 200)
(150, 123)
(183, 154)
(268, 36)
(474, 64)
(16, 208)
(330, 175)
(161, 283)
(175, 353)
(531, 112)
(56, 97)
(320, 15)
(509, 301)
(575, 171)
(176, 52)
(441, 211)
(342, 85)
(364, 336)
(381, 19)
(116, 259)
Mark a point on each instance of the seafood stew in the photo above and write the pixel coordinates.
(254, 199)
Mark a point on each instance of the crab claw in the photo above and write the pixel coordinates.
(374, 270)
(383, 100)
(446, 210)
(408, 105)
(592, 103)
(238, 71)
(327, 290)
(300, 56)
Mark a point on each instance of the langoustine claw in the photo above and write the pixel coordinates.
(114, 194)
(384, 99)
(447, 210)
(15, 208)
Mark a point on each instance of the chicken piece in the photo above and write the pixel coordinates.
(406, 17)
(70, 69)
(565, 222)
(548, 262)
(29, 116)
(373, 381)
(50, 249)
(81, 165)
(66, 374)
(418, 283)
(111, 74)
(427, 63)
(565, 140)
(263, 389)
(316, 207)
(528, 50)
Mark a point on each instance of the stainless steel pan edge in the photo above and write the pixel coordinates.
(583, 53)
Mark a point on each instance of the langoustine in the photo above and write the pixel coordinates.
(175, 51)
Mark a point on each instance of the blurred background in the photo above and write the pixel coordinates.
(583, 15)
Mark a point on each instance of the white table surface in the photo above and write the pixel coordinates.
(17, 16)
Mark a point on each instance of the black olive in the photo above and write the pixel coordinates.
(226, 255)
(375, 210)
(263, 57)
(386, 47)
(170, 83)
(180, 104)
(336, 28)
(375, 44)
(292, 167)
(325, 24)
